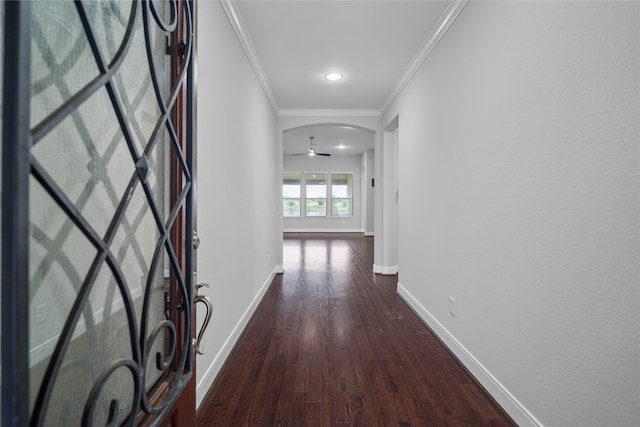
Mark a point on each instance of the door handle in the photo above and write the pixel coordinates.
(209, 306)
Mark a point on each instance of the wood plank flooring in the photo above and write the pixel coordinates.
(331, 344)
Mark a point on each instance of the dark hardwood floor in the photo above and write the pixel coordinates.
(332, 344)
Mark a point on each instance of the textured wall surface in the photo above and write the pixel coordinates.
(519, 175)
(239, 175)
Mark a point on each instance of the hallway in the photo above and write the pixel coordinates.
(333, 344)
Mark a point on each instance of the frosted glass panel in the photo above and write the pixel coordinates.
(96, 246)
(88, 158)
(61, 58)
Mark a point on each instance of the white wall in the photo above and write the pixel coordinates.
(386, 170)
(370, 173)
(519, 173)
(239, 188)
(351, 164)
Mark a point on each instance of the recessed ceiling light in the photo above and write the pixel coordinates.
(332, 77)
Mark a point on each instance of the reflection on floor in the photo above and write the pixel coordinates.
(331, 343)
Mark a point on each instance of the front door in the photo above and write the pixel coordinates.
(97, 212)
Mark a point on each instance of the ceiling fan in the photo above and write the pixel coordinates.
(311, 151)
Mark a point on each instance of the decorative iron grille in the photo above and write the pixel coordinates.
(73, 227)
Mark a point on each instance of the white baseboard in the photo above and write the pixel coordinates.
(211, 373)
(369, 234)
(322, 230)
(509, 403)
(385, 270)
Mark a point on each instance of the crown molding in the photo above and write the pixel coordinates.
(447, 18)
(430, 43)
(243, 36)
(328, 113)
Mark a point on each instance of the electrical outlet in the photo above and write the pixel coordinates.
(452, 306)
(41, 313)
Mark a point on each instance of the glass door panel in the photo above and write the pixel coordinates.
(104, 278)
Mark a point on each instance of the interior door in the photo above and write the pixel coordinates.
(97, 212)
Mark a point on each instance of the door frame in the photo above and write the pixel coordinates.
(18, 138)
(15, 213)
(184, 115)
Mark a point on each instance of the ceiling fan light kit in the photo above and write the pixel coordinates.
(311, 152)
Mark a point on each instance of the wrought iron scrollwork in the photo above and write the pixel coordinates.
(90, 407)
(150, 346)
(162, 362)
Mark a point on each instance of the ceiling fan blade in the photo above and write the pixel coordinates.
(312, 152)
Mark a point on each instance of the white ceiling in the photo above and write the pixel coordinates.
(329, 138)
(373, 43)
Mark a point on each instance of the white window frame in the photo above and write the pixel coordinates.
(301, 191)
(328, 194)
(330, 191)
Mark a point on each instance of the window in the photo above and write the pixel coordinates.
(341, 194)
(291, 194)
(319, 194)
(316, 194)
